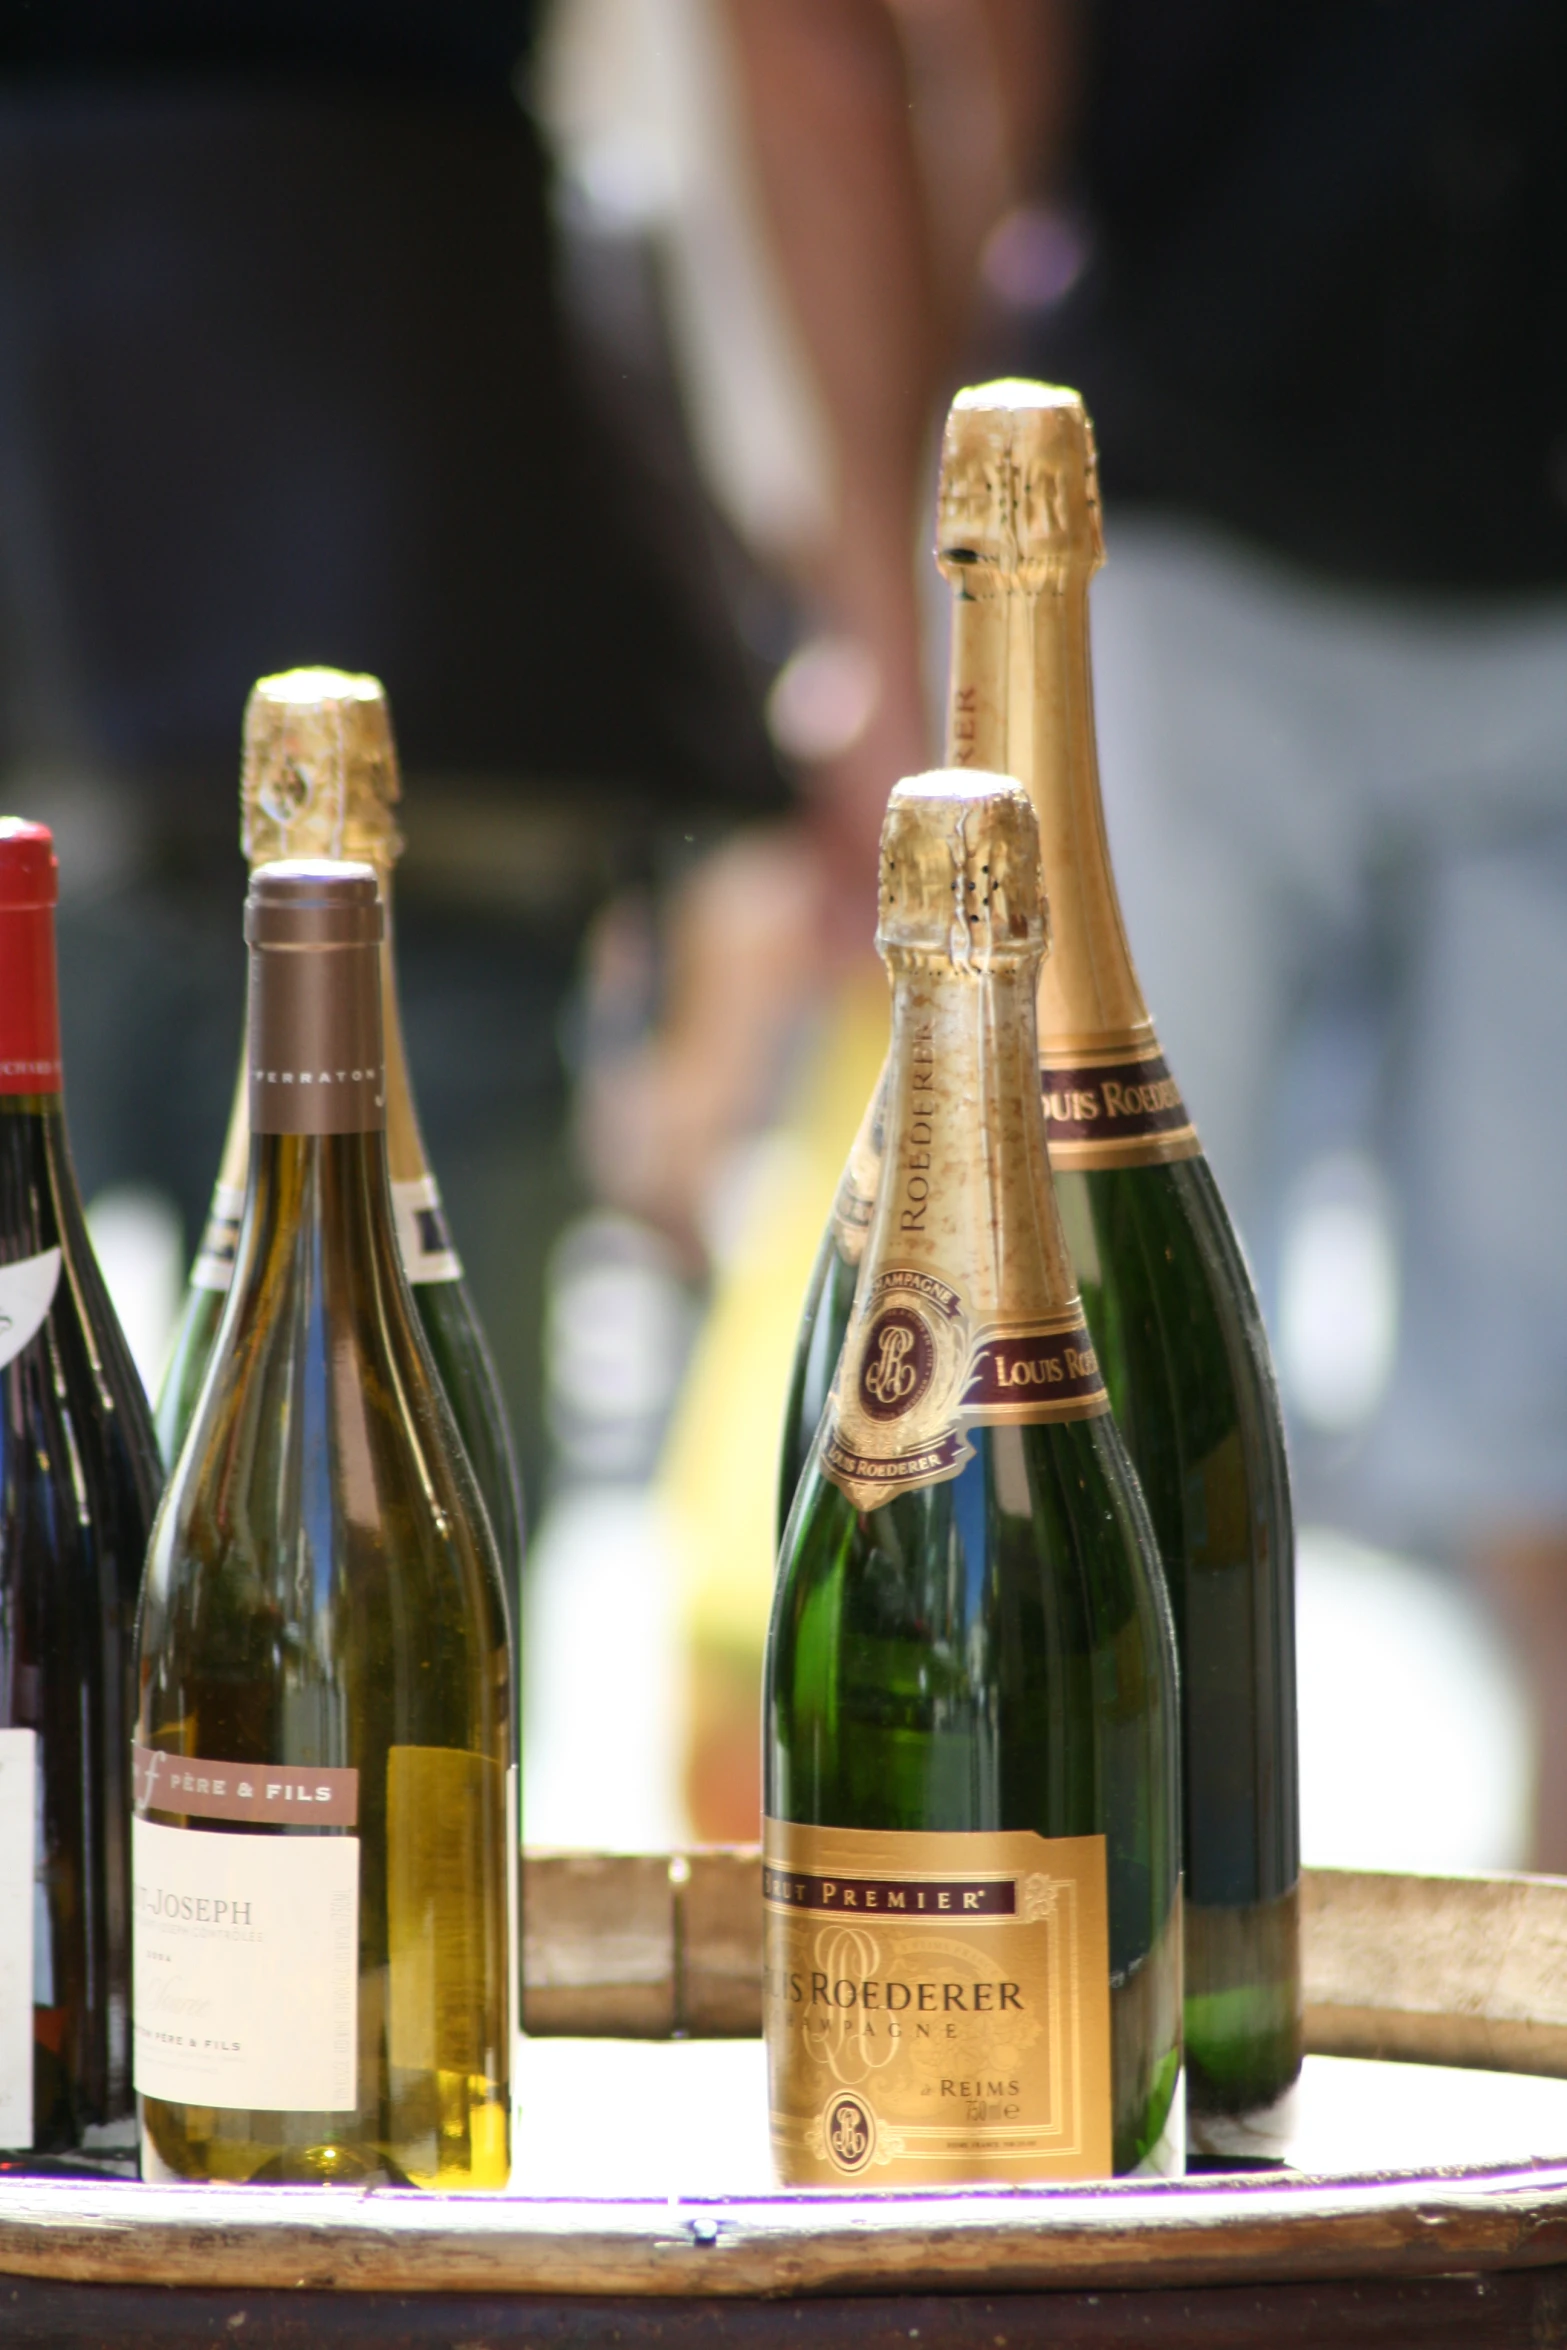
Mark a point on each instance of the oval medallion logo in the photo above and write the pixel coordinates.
(898, 1364)
(850, 2131)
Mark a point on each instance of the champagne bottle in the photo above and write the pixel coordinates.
(971, 1876)
(320, 779)
(79, 1481)
(1162, 1277)
(320, 1843)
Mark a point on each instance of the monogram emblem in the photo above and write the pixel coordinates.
(898, 1363)
(850, 2133)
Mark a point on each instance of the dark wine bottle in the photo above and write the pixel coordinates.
(320, 779)
(321, 1853)
(79, 1480)
(971, 1879)
(1162, 1276)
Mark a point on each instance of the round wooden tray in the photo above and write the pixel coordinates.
(642, 2211)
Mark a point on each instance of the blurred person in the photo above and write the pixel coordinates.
(1305, 268)
(288, 375)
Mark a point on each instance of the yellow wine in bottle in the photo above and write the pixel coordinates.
(971, 1882)
(320, 779)
(1163, 1280)
(320, 1840)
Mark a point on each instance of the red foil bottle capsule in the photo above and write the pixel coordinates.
(29, 990)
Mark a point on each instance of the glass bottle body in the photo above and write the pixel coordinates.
(992, 1653)
(1185, 1357)
(79, 1483)
(440, 1293)
(323, 1589)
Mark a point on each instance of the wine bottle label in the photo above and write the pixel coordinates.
(245, 1968)
(18, 1813)
(446, 1817)
(916, 1375)
(936, 2007)
(1118, 1107)
(284, 1795)
(26, 1293)
(422, 1235)
(214, 1266)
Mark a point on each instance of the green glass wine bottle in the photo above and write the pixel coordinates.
(972, 1899)
(79, 1480)
(322, 1867)
(320, 779)
(1162, 1276)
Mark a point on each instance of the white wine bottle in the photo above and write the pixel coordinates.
(1163, 1280)
(320, 779)
(321, 1853)
(971, 1879)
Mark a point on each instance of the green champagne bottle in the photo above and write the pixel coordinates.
(320, 779)
(971, 1877)
(321, 1861)
(1162, 1277)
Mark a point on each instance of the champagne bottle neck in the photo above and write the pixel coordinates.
(965, 1194)
(1021, 703)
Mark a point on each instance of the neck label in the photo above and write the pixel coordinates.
(315, 1040)
(918, 1373)
(1116, 1108)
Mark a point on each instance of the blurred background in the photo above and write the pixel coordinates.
(579, 370)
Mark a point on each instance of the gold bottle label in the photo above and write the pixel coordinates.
(1115, 1105)
(918, 1372)
(936, 2007)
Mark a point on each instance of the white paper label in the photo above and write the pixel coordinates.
(18, 1803)
(246, 1969)
(426, 1245)
(214, 1266)
(26, 1293)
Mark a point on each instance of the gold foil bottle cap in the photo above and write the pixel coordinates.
(319, 774)
(1019, 488)
(960, 870)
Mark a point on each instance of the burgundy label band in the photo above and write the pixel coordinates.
(1121, 1104)
(283, 1795)
(1054, 1366)
(958, 1897)
(924, 1467)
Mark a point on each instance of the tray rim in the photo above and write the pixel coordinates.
(1222, 2229)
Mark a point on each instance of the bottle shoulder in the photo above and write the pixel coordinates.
(1048, 1513)
(323, 1398)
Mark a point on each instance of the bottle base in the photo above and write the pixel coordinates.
(1261, 2135)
